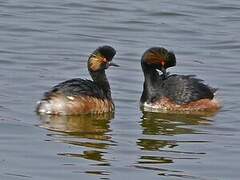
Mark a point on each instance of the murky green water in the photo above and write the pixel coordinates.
(44, 43)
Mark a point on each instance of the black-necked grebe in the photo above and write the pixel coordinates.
(172, 93)
(79, 96)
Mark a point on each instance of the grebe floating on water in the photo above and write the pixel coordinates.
(172, 93)
(79, 96)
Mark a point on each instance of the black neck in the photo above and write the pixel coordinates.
(100, 78)
(151, 81)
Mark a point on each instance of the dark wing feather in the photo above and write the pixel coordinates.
(76, 87)
(184, 89)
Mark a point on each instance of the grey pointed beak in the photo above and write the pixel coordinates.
(113, 64)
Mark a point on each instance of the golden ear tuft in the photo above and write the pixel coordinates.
(95, 64)
(154, 58)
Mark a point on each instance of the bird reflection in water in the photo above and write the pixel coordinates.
(87, 131)
(164, 136)
(171, 124)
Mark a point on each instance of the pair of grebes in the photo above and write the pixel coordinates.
(161, 92)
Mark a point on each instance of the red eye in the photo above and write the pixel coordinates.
(162, 63)
(104, 60)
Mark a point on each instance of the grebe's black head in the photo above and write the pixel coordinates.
(158, 58)
(101, 58)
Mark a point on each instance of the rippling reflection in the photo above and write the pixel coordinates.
(170, 124)
(90, 126)
(161, 141)
(87, 131)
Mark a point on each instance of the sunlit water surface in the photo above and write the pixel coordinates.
(44, 43)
